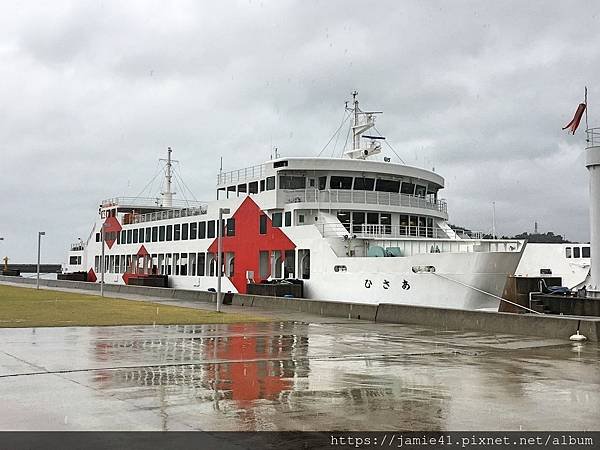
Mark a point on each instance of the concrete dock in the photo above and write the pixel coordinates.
(300, 372)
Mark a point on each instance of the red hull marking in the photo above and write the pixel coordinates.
(112, 225)
(248, 242)
(127, 275)
(91, 276)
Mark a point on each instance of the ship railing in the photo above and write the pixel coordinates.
(164, 215)
(149, 202)
(592, 137)
(362, 197)
(365, 231)
(246, 173)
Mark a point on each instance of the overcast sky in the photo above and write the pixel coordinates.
(93, 92)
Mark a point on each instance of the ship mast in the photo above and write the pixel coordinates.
(358, 128)
(168, 194)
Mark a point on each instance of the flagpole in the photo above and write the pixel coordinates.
(585, 101)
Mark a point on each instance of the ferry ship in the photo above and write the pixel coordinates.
(357, 228)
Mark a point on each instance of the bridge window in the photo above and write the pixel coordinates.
(280, 164)
(364, 184)
(387, 185)
(219, 190)
(161, 234)
(568, 252)
(193, 230)
(141, 236)
(322, 183)
(201, 230)
(292, 182)
(230, 189)
(123, 237)
(262, 185)
(585, 252)
(135, 236)
(340, 183)
(253, 187)
(420, 191)
(270, 183)
(169, 232)
(176, 232)
(407, 188)
(576, 252)
(129, 236)
(148, 234)
(154, 234)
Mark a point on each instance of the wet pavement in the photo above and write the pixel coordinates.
(293, 375)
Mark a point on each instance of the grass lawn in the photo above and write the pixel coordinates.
(24, 307)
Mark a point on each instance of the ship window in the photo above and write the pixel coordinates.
(322, 183)
(280, 164)
(385, 220)
(97, 237)
(201, 230)
(123, 237)
(576, 252)
(420, 191)
(176, 232)
(118, 237)
(311, 182)
(300, 218)
(387, 185)
(253, 187)
(568, 252)
(288, 218)
(161, 263)
(262, 224)
(373, 218)
(422, 226)
(168, 264)
(148, 234)
(141, 236)
(161, 233)
(129, 236)
(585, 252)
(73, 260)
(304, 258)
(183, 263)
(211, 229)
(407, 188)
(230, 227)
(270, 183)
(263, 264)
(429, 227)
(340, 268)
(97, 263)
(201, 264)
(262, 185)
(292, 182)
(358, 220)
(219, 190)
(169, 232)
(135, 236)
(193, 230)
(242, 188)
(344, 218)
(413, 221)
(340, 183)
(184, 231)
(277, 219)
(230, 189)
(154, 234)
(289, 266)
(193, 264)
(122, 267)
(364, 184)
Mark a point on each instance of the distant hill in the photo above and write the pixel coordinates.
(541, 238)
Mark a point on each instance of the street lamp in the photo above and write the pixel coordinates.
(220, 253)
(102, 268)
(40, 234)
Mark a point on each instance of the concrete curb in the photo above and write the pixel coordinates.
(447, 319)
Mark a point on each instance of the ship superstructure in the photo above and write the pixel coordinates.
(352, 229)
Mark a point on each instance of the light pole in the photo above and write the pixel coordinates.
(220, 253)
(102, 268)
(40, 234)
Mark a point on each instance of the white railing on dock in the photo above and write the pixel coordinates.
(362, 197)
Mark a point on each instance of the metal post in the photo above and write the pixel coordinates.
(40, 234)
(102, 268)
(220, 254)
